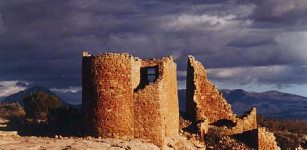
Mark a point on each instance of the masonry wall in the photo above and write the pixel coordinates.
(108, 95)
(161, 100)
(169, 93)
(170, 85)
(266, 140)
(246, 123)
(204, 101)
(136, 75)
(117, 102)
(149, 112)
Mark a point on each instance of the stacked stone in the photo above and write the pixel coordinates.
(160, 102)
(170, 85)
(148, 110)
(246, 123)
(266, 140)
(114, 106)
(108, 81)
(204, 101)
(249, 120)
(148, 118)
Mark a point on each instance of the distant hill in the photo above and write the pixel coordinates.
(18, 97)
(272, 104)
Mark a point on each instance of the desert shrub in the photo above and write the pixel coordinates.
(11, 110)
(288, 140)
(289, 133)
(38, 105)
(295, 126)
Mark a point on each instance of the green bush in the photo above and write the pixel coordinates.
(38, 105)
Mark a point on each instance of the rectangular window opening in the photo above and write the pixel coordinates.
(151, 74)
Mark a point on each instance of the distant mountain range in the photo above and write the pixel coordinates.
(18, 97)
(272, 104)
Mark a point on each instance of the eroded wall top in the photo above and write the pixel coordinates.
(204, 101)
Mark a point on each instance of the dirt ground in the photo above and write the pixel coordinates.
(60, 143)
(10, 140)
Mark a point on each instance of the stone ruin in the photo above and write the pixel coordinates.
(206, 106)
(126, 97)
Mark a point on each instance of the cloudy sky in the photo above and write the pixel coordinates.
(257, 45)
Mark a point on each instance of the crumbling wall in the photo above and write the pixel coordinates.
(169, 93)
(160, 102)
(204, 101)
(136, 75)
(149, 114)
(247, 122)
(258, 138)
(118, 101)
(266, 140)
(149, 109)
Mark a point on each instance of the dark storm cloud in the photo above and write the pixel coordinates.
(280, 13)
(41, 41)
(280, 75)
(245, 42)
(21, 83)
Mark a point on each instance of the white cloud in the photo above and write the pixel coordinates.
(276, 8)
(203, 22)
(181, 73)
(283, 7)
(256, 74)
(67, 90)
(187, 21)
(10, 87)
(295, 42)
(273, 75)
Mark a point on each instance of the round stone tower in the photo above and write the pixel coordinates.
(107, 95)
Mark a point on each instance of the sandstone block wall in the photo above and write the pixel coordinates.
(107, 95)
(204, 101)
(164, 114)
(266, 140)
(118, 100)
(246, 123)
